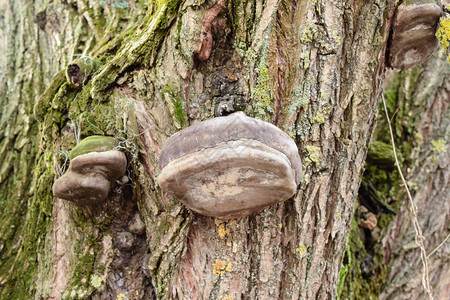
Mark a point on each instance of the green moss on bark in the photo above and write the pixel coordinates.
(93, 143)
(65, 115)
(19, 262)
(364, 267)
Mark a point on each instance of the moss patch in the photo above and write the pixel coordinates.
(261, 93)
(364, 269)
(94, 143)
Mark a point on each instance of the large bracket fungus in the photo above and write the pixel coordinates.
(94, 165)
(229, 167)
(413, 39)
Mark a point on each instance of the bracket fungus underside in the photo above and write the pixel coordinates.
(230, 167)
(413, 38)
(94, 164)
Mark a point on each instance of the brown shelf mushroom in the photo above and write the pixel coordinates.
(413, 38)
(229, 167)
(88, 180)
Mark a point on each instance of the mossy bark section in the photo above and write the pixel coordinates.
(374, 265)
(42, 244)
(425, 96)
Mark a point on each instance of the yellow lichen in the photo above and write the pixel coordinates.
(443, 33)
(438, 146)
(223, 232)
(96, 281)
(322, 114)
(319, 118)
(219, 267)
(224, 297)
(301, 250)
(309, 34)
(121, 296)
(223, 228)
(313, 153)
(419, 137)
(304, 60)
(262, 92)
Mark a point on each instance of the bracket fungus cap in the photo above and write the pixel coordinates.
(84, 189)
(88, 180)
(413, 39)
(112, 164)
(229, 167)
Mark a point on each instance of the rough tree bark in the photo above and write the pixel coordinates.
(313, 68)
(428, 159)
(383, 258)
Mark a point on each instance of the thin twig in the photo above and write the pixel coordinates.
(395, 112)
(440, 245)
(419, 237)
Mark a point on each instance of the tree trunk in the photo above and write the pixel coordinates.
(427, 159)
(312, 68)
(384, 258)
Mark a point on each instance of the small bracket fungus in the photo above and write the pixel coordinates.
(229, 167)
(79, 71)
(413, 38)
(93, 166)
